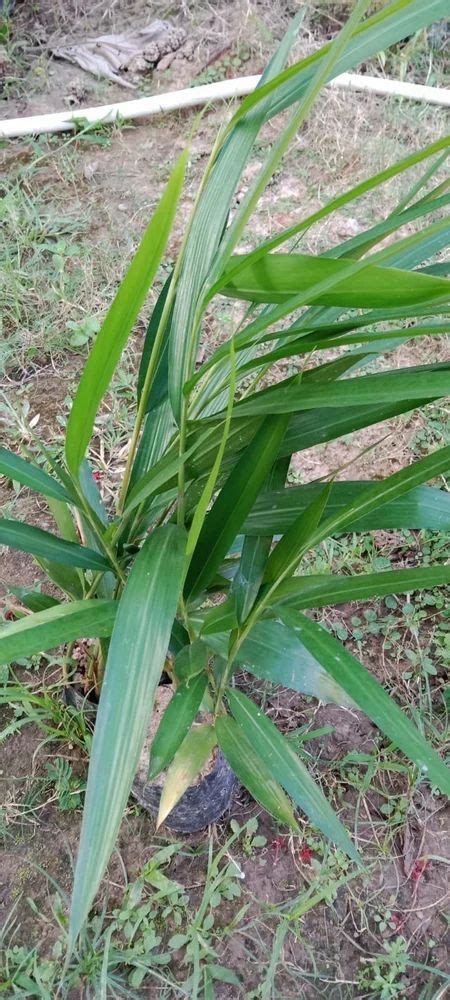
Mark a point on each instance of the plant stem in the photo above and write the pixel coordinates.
(93, 586)
(65, 672)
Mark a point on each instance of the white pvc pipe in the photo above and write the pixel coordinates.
(393, 88)
(143, 107)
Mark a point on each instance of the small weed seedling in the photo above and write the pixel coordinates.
(383, 976)
(251, 840)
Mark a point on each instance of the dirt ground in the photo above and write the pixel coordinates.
(105, 192)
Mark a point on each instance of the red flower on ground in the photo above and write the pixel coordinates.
(306, 855)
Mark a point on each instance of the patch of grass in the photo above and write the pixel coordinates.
(51, 276)
(156, 935)
(41, 704)
(43, 276)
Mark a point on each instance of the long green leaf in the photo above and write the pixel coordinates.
(405, 253)
(34, 600)
(322, 424)
(277, 277)
(394, 22)
(273, 652)
(327, 326)
(70, 580)
(303, 592)
(159, 389)
(336, 203)
(54, 626)
(328, 371)
(305, 345)
(18, 535)
(417, 248)
(179, 638)
(422, 507)
(363, 242)
(233, 504)
(370, 696)
(162, 474)
(315, 326)
(119, 321)
(347, 362)
(204, 500)
(286, 767)
(292, 396)
(220, 618)
(107, 584)
(422, 181)
(176, 722)
(64, 520)
(91, 492)
(442, 269)
(207, 227)
(186, 765)
(387, 490)
(318, 591)
(324, 70)
(136, 658)
(248, 578)
(252, 770)
(14, 467)
(304, 430)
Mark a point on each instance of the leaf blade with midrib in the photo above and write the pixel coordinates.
(286, 767)
(119, 320)
(42, 544)
(18, 469)
(136, 658)
(370, 696)
(54, 626)
(251, 769)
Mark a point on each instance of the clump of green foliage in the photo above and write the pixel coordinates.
(203, 507)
